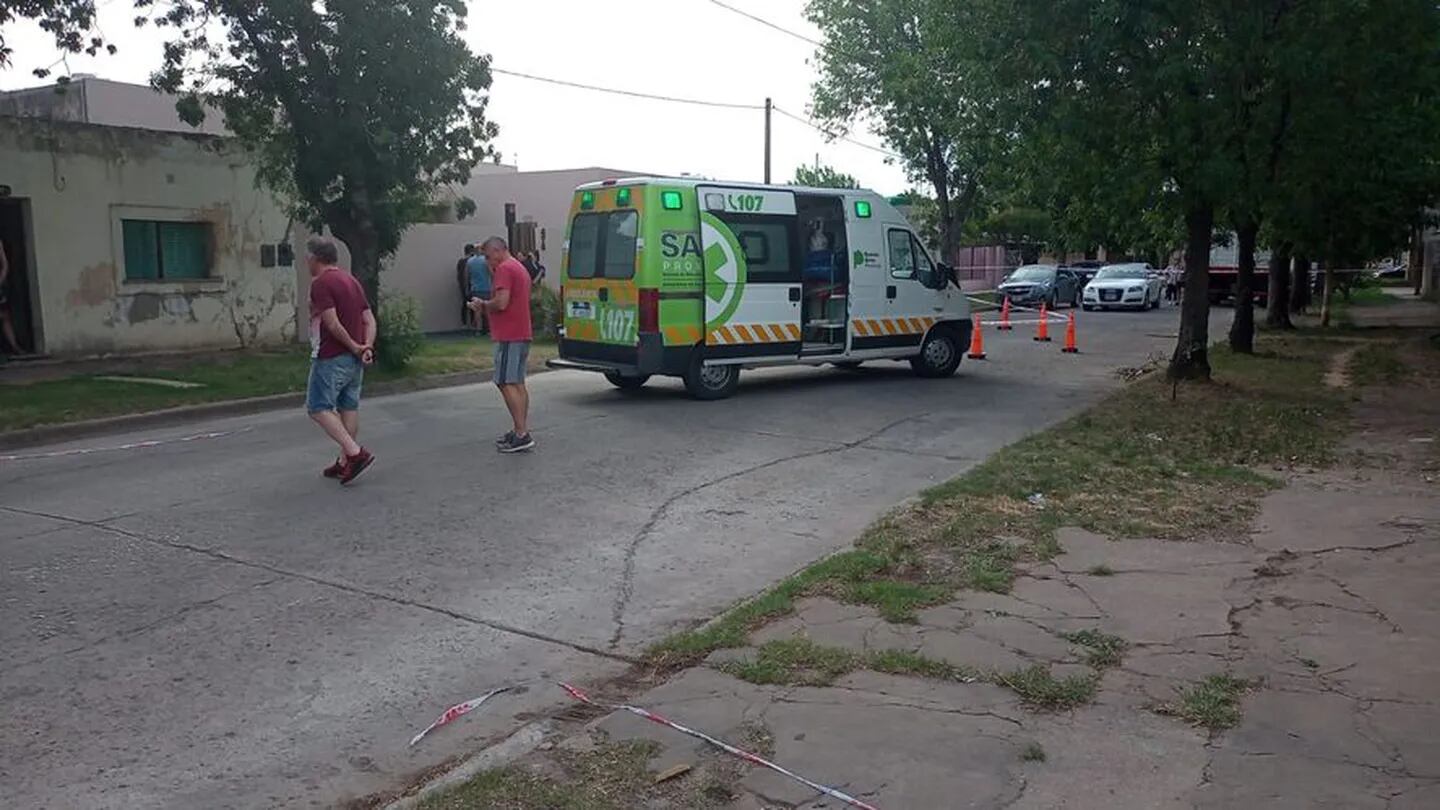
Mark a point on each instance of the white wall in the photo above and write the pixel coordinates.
(98, 101)
(78, 181)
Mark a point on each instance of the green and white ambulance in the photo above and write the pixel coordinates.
(697, 279)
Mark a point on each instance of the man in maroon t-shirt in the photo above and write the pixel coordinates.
(509, 310)
(338, 312)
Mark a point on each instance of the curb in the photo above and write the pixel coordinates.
(524, 740)
(46, 434)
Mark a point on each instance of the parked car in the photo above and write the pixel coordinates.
(1034, 284)
(1084, 270)
(1391, 269)
(1124, 286)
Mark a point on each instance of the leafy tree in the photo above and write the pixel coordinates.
(1365, 151)
(1136, 100)
(822, 176)
(71, 22)
(915, 67)
(358, 111)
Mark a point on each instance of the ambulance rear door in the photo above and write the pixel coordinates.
(750, 240)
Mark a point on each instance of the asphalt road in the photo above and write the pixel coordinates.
(211, 624)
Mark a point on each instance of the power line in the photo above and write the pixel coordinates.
(807, 122)
(631, 93)
(817, 43)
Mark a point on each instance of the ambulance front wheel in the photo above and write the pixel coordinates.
(711, 382)
(939, 355)
(625, 382)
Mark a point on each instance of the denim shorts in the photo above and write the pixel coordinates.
(335, 384)
(510, 358)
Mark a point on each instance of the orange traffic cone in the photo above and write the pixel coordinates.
(1004, 314)
(1070, 347)
(1042, 329)
(977, 342)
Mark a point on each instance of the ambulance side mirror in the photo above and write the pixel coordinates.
(935, 278)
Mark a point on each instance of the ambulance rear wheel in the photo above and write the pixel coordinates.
(939, 355)
(711, 382)
(625, 382)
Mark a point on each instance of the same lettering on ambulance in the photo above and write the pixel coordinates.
(680, 258)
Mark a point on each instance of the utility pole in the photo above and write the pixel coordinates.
(768, 107)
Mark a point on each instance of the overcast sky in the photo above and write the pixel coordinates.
(685, 48)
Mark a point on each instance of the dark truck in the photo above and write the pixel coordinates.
(1225, 274)
(1224, 282)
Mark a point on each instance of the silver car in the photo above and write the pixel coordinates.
(1033, 284)
(1124, 286)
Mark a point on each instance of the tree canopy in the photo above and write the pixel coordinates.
(359, 111)
(70, 22)
(910, 66)
(822, 176)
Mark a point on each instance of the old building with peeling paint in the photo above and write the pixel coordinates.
(123, 239)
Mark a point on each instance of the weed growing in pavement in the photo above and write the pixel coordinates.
(794, 662)
(1213, 703)
(1033, 753)
(1102, 649)
(1038, 687)
(903, 662)
(895, 600)
(1101, 571)
(801, 662)
(608, 778)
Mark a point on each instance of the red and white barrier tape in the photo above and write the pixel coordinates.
(723, 746)
(85, 451)
(456, 712)
(1050, 314)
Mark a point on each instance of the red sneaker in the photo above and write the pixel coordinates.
(334, 470)
(356, 464)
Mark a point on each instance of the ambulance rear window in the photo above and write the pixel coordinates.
(602, 245)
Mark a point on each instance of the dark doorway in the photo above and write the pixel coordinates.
(15, 235)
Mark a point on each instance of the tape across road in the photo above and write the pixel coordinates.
(456, 712)
(85, 451)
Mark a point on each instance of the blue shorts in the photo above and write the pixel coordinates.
(335, 384)
(510, 357)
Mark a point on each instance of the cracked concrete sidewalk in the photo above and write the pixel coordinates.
(1329, 611)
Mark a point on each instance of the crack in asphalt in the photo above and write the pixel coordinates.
(331, 583)
(626, 588)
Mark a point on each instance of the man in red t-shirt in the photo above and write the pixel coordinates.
(509, 311)
(338, 312)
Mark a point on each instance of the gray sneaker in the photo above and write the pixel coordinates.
(516, 444)
(506, 439)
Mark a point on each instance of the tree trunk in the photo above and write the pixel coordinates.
(1414, 273)
(1328, 295)
(364, 260)
(1299, 285)
(1242, 328)
(1191, 360)
(1277, 315)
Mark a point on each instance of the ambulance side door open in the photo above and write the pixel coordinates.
(750, 241)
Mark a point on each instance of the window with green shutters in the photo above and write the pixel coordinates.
(166, 251)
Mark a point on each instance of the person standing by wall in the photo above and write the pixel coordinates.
(7, 320)
(537, 272)
(462, 283)
(481, 287)
(509, 311)
(338, 312)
